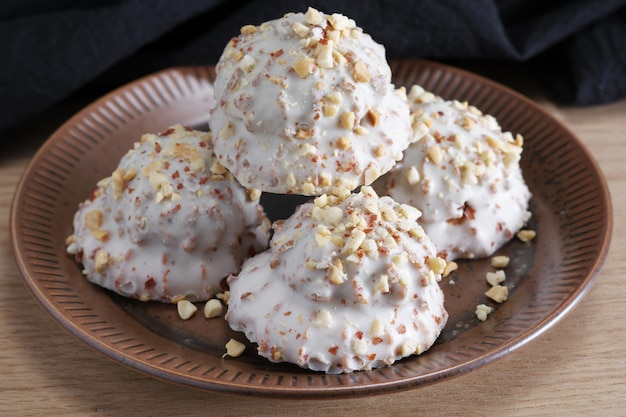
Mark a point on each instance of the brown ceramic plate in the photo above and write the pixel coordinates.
(571, 213)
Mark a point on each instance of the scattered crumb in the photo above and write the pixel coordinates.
(526, 235)
(234, 349)
(495, 278)
(482, 311)
(212, 308)
(186, 309)
(450, 268)
(500, 261)
(498, 293)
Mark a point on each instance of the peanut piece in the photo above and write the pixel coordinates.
(234, 349)
(526, 235)
(186, 309)
(212, 308)
(361, 73)
(500, 261)
(498, 293)
(482, 311)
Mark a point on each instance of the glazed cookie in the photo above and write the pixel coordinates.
(463, 173)
(306, 106)
(170, 223)
(346, 285)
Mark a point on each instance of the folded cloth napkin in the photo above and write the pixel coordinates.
(52, 49)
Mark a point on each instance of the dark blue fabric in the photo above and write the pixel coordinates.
(51, 49)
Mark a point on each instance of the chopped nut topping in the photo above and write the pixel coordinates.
(344, 143)
(373, 116)
(435, 154)
(308, 188)
(101, 260)
(371, 174)
(361, 72)
(322, 319)
(361, 131)
(353, 243)
(437, 265)
(291, 180)
(227, 131)
(325, 179)
(325, 55)
(498, 293)
(410, 212)
(388, 213)
(248, 29)
(237, 55)
(333, 215)
(379, 151)
(359, 347)
(301, 30)
(322, 235)
(234, 349)
(377, 329)
(335, 272)
(340, 22)
(104, 182)
(186, 309)
(382, 286)
(321, 201)
(339, 58)
(333, 35)
(330, 111)
(408, 348)
(304, 133)
(335, 97)
(101, 235)
(313, 17)
(129, 174)
(304, 66)
(93, 220)
(401, 259)
(413, 176)
(370, 247)
(217, 168)
(468, 123)
(347, 120)
(306, 149)
(511, 159)
(117, 183)
(156, 180)
(417, 233)
(254, 194)
(247, 63)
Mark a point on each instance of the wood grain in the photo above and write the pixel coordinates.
(575, 368)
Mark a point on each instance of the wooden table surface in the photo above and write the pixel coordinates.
(576, 368)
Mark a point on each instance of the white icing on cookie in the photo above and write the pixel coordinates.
(463, 173)
(170, 223)
(306, 106)
(346, 285)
